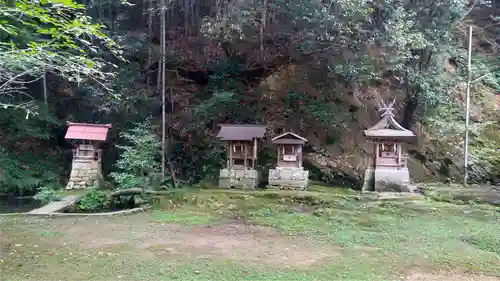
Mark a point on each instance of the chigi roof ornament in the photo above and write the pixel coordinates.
(386, 109)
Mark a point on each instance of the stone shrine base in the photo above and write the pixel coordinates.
(380, 178)
(238, 178)
(289, 177)
(84, 174)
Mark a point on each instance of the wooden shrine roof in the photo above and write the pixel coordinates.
(388, 127)
(85, 131)
(289, 138)
(241, 132)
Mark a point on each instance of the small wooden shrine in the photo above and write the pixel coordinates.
(289, 171)
(388, 163)
(88, 140)
(242, 148)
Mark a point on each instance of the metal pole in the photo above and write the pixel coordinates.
(467, 108)
(163, 99)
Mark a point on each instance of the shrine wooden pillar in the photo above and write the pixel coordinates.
(231, 146)
(254, 153)
(301, 157)
(399, 147)
(245, 155)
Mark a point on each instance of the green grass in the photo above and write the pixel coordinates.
(375, 240)
(186, 218)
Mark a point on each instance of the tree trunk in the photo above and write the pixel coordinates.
(185, 7)
(170, 139)
(263, 21)
(150, 36)
(45, 98)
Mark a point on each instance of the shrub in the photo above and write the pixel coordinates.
(48, 193)
(139, 162)
(94, 200)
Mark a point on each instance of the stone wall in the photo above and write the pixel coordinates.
(238, 178)
(369, 180)
(84, 174)
(289, 177)
(378, 179)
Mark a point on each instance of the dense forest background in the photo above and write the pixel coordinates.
(315, 67)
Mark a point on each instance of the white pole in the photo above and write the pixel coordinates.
(161, 69)
(467, 109)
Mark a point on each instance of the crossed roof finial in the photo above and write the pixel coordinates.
(386, 109)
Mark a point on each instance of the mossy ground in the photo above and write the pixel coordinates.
(211, 234)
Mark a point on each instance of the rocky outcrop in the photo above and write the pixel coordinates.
(336, 153)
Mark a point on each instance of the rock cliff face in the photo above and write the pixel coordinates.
(336, 152)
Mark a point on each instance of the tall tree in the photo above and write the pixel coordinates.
(49, 36)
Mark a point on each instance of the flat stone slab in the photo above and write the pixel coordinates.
(289, 177)
(56, 206)
(394, 195)
(238, 178)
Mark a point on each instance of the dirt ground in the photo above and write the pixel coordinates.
(421, 276)
(227, 241)
(151, 240)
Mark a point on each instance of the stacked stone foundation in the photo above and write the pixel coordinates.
(377, 179)
(84, 174)
(238, 178)
(294, 178)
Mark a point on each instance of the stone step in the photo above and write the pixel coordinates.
(56, 206)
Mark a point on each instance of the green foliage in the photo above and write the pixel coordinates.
(226, 97)
(94, 200)
(447, 127)
(411, 39)
(139, 162)
(20, 127)
(52, 36)
(485, 154)
(48, 193)
(416, 37)
(219, 105)
(25, 172)
(301, 107)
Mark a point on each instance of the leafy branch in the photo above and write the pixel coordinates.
(50, 36)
